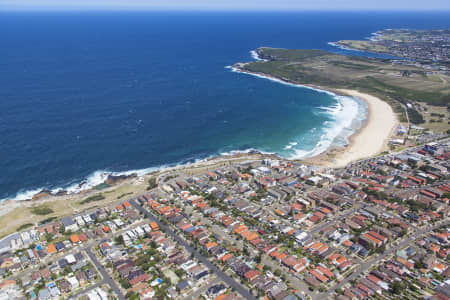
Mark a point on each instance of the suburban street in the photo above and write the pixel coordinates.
(106, 278)
(371, 262)
(228, 280)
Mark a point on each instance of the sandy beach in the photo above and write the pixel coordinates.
(370, 140)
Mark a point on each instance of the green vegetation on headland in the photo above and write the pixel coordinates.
(97, 197)
(41, 210)
(395, 83)
(152, 183)
(125, 194)
(24, 226)
(362, 46)
(415, 117)
(48, 220)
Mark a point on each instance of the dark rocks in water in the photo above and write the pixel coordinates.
(43, 193)
(254, 152)
(61, 193)
(115, 179)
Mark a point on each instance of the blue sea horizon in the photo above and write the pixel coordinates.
(88, 93)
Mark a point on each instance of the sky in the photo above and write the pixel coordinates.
(263, 5)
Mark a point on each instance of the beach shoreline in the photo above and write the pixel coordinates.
(321, 159)
(380, 122)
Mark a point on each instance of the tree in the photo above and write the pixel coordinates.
(152, 183)
(48, 237)
(258, 259)
(179, 272)
(62, 229)
(381, 249)
(119, 240)
(418, 264)
(124, 283)
(396, 287)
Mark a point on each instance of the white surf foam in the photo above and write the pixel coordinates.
(24, 195)
(344, 116)
(91, 181)
(290, 145)
(245, 151)
(255, 56)
(100, 176)
(236, 70)
(347, 117)
(343, 47)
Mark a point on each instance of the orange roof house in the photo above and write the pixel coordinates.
(325, 210)
(340, 260)
(377, 236)
(240, 228)
(249, 275)
(274, 253)
(347, 243)
(318, 276)
(246, 233)
(154, 226)
(281, 256)
(279, 212)
(210, 245)
(252, 236)
(187, 226)
(83, 238)
(439, 268)
(325, 271)
(202, 205)
(226, 257)
(51, 248)
(164, 209)
(406, 263)
(74, 238)
(221, 297)
(322, 248)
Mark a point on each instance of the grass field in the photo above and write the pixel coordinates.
(362, 45)
(66, 205)
(392, 82)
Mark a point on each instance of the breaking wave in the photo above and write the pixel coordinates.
(346, 117)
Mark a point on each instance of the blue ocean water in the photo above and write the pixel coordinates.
(82, 92)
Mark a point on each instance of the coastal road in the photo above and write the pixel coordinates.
(106, 278)
(228, 280)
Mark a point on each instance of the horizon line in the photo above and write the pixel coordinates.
(18, 8)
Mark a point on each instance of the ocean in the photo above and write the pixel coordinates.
(83, 94)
